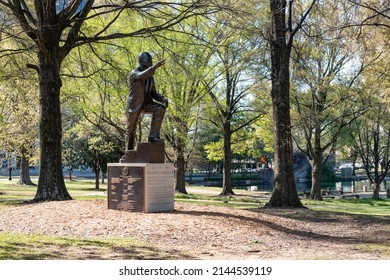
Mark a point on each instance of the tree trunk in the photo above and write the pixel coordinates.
(51, 185)
(97, 177)
(180, 185)
(378, 176)
(24, 178)
(316, 179)
(354, 166)
(180, 161)
(316, 163)
(284, 193)
(227, 162)
(377, 188)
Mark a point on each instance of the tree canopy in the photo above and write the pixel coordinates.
(242, 80)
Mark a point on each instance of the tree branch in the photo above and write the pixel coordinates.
(33, 66)
(300, 23)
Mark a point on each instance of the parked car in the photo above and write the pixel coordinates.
(346, 165)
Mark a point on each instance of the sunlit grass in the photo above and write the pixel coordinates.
(381, 249)
(12, 193)
(363, 206)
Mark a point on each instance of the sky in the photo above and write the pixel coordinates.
(60, 4)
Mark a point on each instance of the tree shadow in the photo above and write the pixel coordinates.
(312, 217)
(93, 189)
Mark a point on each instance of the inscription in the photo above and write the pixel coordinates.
(126, 188)
(133, 180)
(126, 205)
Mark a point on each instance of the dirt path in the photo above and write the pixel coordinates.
(212, 232)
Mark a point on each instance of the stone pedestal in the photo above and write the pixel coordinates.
(145, 153)
(141, 187)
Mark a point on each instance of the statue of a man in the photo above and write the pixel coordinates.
(141, 99)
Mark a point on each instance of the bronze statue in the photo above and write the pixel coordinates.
(141, 99)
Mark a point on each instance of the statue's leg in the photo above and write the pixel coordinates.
(132, 119)
(158, 112)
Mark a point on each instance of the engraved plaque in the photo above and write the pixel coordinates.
(126, 188)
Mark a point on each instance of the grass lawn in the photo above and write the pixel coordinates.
(12, 194)
(363, 206)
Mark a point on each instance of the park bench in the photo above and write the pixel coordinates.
(324, 194)
(331, 192)
(350, 195)
(338, 194)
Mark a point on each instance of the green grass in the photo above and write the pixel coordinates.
(11, 193)
(14, 194)
(15, 246)
(232, 201)
(380, 249)
(245, 199)
(365, 206)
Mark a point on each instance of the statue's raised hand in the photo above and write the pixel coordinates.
(159, 64)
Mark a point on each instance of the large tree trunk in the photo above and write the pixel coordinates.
(284, 192)
(227, 162)
(51, 185)
(24, 178)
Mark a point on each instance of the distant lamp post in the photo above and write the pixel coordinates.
(9, 161)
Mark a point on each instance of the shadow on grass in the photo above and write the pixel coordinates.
(93, 189)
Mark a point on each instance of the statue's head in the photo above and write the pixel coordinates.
(145, 60)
